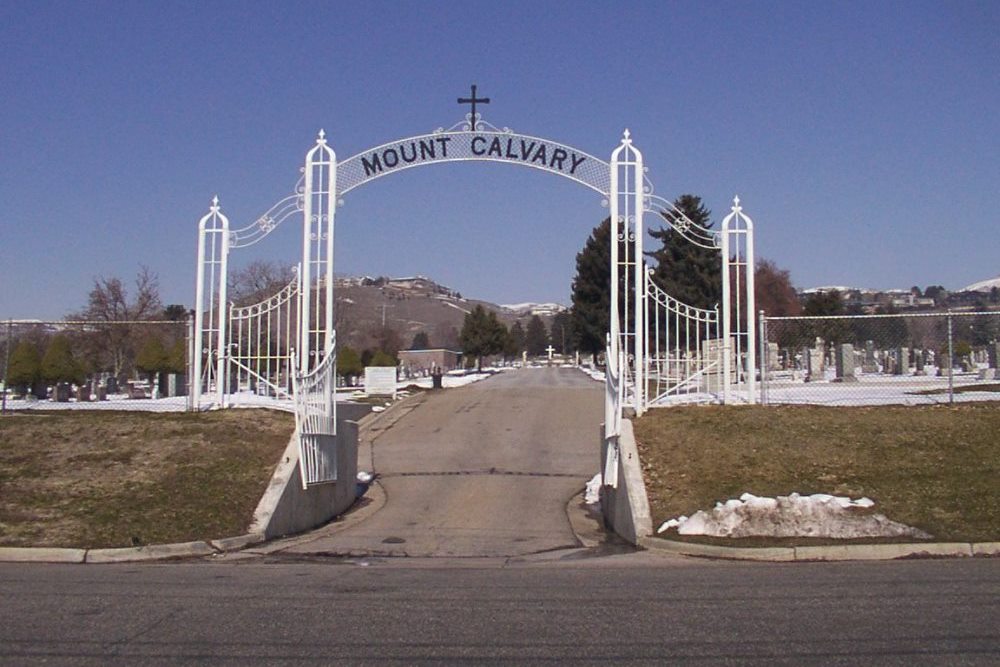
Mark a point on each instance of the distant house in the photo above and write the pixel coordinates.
(417, 362)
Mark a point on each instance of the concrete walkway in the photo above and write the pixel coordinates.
(481, 471)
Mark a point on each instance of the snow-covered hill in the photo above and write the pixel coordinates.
(983, 285)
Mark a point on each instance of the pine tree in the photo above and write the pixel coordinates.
(561, 333)
(591, 291)
(25, 370)
(152, 358)
(381, 358)
(536, 339)
(420, 341)
(349, 363)
(482, 335)
(515, 341)
(685, 271)
(58, 364)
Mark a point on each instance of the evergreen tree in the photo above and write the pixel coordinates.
(685, 271)
(25, 370)
(536, 339)
(58, 364)
(152, 358)
(382, 358)
(420, 341)
(349, 363)
(482, 335)
(591, 291)
(515, 341)
(561, 333)
(827, 302)
(177, 358)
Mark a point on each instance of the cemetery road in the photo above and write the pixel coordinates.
(483, 470)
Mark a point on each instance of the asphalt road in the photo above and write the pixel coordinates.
(639, 608)
(481, 471)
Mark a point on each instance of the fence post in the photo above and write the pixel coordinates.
(189, 364)
(764, 361)
(6, 367)
(951, 365)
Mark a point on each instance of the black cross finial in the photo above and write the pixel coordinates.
(473, 101)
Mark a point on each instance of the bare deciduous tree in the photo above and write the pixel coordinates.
(113, 347)
(258, 280)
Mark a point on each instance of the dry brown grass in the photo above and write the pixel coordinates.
(935, 467)
(115, 479)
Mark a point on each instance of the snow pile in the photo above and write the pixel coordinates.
(364, 477)
(593, 494)
(818, 515)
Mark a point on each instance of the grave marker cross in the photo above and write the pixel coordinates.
(473, 101)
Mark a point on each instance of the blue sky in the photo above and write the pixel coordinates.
(861, 137)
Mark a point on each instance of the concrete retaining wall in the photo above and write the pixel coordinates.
(626, 507)
(287, 508)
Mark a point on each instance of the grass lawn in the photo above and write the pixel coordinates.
(933, 467)
(117, 479)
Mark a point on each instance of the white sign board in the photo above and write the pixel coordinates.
(380, 381)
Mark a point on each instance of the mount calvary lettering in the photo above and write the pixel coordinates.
(534, 152)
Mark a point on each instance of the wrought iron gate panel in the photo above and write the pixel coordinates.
(680, 363)
(316, 420)
(263, 337)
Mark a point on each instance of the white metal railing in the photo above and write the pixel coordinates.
(316, 420)
(613, 403)
(262, 340)
(682, 351)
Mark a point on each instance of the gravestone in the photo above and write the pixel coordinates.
(902, 359)
(102, 392)
(943, 364)
(870, 364)
(920, 358)
(845, 363)
(111, 385)
(713, 352)
(969, 364)
(814, 364)
(83, 393)
(61, 392)
(176, 384)
(992, 356)
(773, 357)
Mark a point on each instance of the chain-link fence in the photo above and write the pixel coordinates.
(140, 365)
(880, 359)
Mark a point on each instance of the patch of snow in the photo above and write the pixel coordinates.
(592, 496)
(364, 477)
(378, 408)
(794, 515)
(983, 285)
(464, 310)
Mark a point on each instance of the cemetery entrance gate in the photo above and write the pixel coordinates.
(659, 350)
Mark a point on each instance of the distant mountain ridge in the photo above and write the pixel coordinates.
(413, 304)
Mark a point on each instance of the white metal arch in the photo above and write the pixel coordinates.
(621, 181)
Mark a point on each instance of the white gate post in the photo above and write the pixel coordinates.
(318, 210)
(739, 255)
(213, 258)
(626, 204)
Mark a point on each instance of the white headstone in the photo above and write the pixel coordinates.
(380, 381)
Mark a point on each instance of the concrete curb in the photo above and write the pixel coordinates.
(41, 555)
(825, 553)
(152, 552)
(238, 542)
